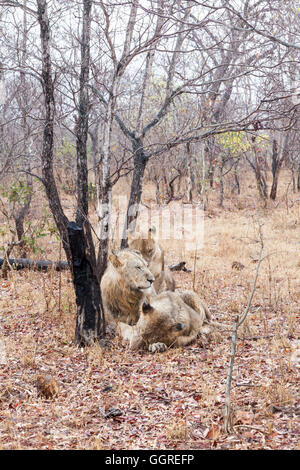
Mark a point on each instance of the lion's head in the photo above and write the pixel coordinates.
(164, 318)
(133, 270)
(143, 241)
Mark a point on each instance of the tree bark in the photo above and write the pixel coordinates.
(277, 160)
(236, 185)
(260, 179)
(90, 322)
(20, 214)
(221, 181)
(48, 133)
(140, 161)
(77, 240)
(83, 117)
(82, 132)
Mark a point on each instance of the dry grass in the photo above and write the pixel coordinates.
(175, 399)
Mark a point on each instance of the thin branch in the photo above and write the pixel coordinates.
(12, 3)
(238, 322)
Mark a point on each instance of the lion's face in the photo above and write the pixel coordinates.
(164, 318)
(133, 270)
(144, 242)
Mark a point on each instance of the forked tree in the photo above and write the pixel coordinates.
(76, 236)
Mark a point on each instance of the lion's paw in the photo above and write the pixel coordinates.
(157, 347)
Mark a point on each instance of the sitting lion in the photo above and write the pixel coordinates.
(146, 243)
(168, 319)
(124, 286)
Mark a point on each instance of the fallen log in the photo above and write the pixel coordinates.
(40, 265)
(44, 265)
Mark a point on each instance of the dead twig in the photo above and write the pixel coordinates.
(238, 322)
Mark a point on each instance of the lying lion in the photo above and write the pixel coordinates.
(167, 319)
(147, 244)
(144, 318)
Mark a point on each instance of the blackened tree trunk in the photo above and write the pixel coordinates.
(90, 322)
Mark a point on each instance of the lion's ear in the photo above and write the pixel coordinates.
(147, 308)
(113, 258)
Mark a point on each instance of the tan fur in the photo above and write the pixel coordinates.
(168, 319)
(124, 286)
(147, 244)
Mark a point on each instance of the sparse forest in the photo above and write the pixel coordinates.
(179, 119)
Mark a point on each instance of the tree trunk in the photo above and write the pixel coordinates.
(221, 183)
(94, 135)
(236, 185)
(293, 177)
(275, 169)
(104, 215)
(260, 179)
(90, 322)
(82, 133)
(140, 162)
(210, 151)
(20, 212)
(189, 177)
(277, 160)
(77, 240)
(19, 218)
(261, 184)
(48, 134)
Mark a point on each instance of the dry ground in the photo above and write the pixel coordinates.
(173, 400)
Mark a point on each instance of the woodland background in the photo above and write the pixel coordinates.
(171, 104)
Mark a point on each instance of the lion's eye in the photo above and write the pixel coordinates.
(139, 268)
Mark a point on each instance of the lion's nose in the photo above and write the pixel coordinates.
(151, 280)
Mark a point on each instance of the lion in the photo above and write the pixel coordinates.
(125, 284)
(147, 244)
(169, 319)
